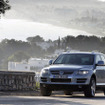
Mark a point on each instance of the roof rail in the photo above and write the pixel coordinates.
(73, 51)
(95, 51)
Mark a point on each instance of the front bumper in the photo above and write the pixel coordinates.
(73, 80)
(67, 79)
(55, 87)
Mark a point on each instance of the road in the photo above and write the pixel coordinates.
(76, 99)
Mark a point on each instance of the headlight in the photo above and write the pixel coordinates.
(83, 72)
(44, 72)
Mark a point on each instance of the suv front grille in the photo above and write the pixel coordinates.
(57, 72)
(61, 80)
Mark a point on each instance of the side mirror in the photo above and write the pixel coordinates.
(50, 62)
(100, 63)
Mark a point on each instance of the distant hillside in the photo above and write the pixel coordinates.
(87, 15)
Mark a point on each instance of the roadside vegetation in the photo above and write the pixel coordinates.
(14, 50)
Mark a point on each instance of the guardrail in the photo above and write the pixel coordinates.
(12, 80)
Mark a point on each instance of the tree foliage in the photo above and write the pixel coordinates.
(19, 56)
(13, 50)
(35, 39)
(4, 6)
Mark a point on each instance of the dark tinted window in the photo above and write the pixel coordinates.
(75, 59)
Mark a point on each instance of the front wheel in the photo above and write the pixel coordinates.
(104, 91)
(90, 89)
(45, 91)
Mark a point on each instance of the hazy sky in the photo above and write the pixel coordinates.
(47, 18)
(21, 29)
(102, 0)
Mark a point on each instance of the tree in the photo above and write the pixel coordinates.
(51, 50)
(4, 6)
(19, 56)
(68, 41)
(35, 39)
(59, 42)
(35, 51)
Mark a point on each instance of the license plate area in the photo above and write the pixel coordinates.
(60, 76)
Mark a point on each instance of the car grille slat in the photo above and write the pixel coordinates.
(57, 72)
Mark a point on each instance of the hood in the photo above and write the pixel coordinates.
(70, 67)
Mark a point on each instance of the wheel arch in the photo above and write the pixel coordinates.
(94, 76)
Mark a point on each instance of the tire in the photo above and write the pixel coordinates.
(90, 89)
(45, 91)
(68, 92)
(104, 91)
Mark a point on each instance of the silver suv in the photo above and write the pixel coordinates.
(74, 72)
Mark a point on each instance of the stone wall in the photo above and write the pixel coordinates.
(11, 80)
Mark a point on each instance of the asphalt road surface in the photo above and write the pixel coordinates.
(76, 99)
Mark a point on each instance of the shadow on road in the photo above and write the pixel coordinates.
(81, 96)
(57, 98)
(99, 96)
(36, 101)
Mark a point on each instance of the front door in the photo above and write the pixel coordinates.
(100, 72)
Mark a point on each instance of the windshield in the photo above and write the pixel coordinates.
(75, 59)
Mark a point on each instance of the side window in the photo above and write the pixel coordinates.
(60, 59)
(98, 58)
(103, 57)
